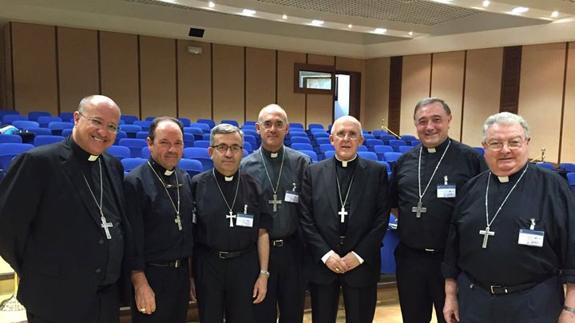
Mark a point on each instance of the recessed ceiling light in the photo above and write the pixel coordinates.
(211, 4)
(350, 26)
(284, 17)
(410, 33)
(519, 10)
(248, 12)
(555, 14)
(379, 30)
(443, 1)
(486, 3)
(316, 22)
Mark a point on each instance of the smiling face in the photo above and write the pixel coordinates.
(432, 124)
(167, 147)
(506, 148)
(272, 127)
(94, 124)
(346, 137)
(226, 152)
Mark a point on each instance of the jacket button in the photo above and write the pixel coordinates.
(98, 270)
(101, 241)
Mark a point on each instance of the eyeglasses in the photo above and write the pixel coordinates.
(515, 143)
(350, 135)
(99, 123)
(268, 124)
(223, 148)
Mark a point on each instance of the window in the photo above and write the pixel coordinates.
(318, 79)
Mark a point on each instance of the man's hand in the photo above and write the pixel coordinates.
(336, 264)
(260, 289)
(193, 291)
(144, 295)
(351, 261)
(566, 317)
(451, 307)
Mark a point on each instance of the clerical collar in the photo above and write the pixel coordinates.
(160, 169)
(511, 178)
(220, 177)
(440, 148)
(346, 163)
(80, 153)
(272, 155)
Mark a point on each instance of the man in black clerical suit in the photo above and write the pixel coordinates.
(158, 193)
(511, 244)
(344, 217)
(62, 221)
(231, 229)
(279, 170)
(423, 188)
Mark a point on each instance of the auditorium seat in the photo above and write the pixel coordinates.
(380, 149)
(57, 126)
(322, 140)
(67, 116)
(200, 154)
(370, 143)
(9, 118)
(25, 124)
(145, 152)
(145, 124)
(10, 150)
(395, 143)
(47, 139)
(119, 135)
(230, 121)
(404, 149)
(298, 139)
(192, 166)
(252, 140)
(68, 132)
(209, 122)
(295, 125)
(408, 138)
(141, 134)
(40, 131)
(480, 150)
(311, 154)
(10, 139)
(301, 146)
(249, 123)
(131, 163)
(367, 155)
(45, 120)
(185, 121)
(202, 143)
(134, 144)
(119, 152)
(150, 118)
(391, 157)
(362, 148)
(568, 167)
(546, 165)
(129, 119)
(315, 126)
(415, 142)
(248, 147)
(197, 132)
(571, 180)
(34, 115)
(188, 140)
(329, 154)
(203, 126)
(130, 129)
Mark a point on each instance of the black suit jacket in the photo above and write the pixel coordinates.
(367, 219)
(50, 231)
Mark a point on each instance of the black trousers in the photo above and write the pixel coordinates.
(171, 288)
(108, 309)
(540, 304)
(286, 285)
(224, 287)
(420, 284)
(359, 302)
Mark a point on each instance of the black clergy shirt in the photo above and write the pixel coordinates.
(345, 175)
(540, 195)
(460, 163)
(212, 228)
(286, 219)
(152, 216)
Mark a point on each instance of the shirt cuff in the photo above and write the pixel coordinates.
(358, 257)
(327, 255)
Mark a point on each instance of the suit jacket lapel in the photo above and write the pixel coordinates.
(115, 180)
(331, 190)
(357, 188)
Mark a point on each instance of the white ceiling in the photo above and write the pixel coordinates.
(411, 26)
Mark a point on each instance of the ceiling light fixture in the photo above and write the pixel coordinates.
(486, 3)
(211, 4)
(350, 26)
(519, 10)
(379, 31)
(410, 33)
(316, 22)
(248, 12)
(555, 14)
(284, 17)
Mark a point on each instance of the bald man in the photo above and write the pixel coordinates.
(344, 217)
(62, 221)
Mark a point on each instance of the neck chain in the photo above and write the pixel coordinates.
(504, 200)
(230, 208)
(432, 175)
(176, 208)
(275, 200)
(104, 224)
(342, 213)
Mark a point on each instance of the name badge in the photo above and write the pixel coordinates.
(532, 238)
(291, 197)
(446, 191)
(245, 220)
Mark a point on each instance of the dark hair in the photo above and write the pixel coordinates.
(428, 101)
(156, 122)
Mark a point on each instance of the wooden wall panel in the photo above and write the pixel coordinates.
(228, 83)
(414, 87)
(320, 106)
(568, 142)
(78, 66)
(355, 65)
(482, 92)
(293, 103)
(540, 96)
(447, 84)
(194, 81)
(377, 92)
(35, 68)
(158, 76)
(5, 68)
(511, 78)
(260, 80)
(119, 65)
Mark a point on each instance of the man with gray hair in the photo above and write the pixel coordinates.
(424, 185)
(231, 230)
(511, 245)
(279, 170)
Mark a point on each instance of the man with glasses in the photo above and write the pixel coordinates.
(231, 230)
(344, 217)
(424, 185)
(511, 245)
(62, 221)
(158, 193)
(279, 170)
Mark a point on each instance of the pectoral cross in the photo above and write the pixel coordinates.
(342, 213)
(178, 221)
(106, 225)
(275, 202)
(486, 233)
(419, 209)
(231, 216)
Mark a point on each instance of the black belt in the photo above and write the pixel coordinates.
(424, 250)
(503, 289)
(170, 264)
(278, 243)
(230, 254)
